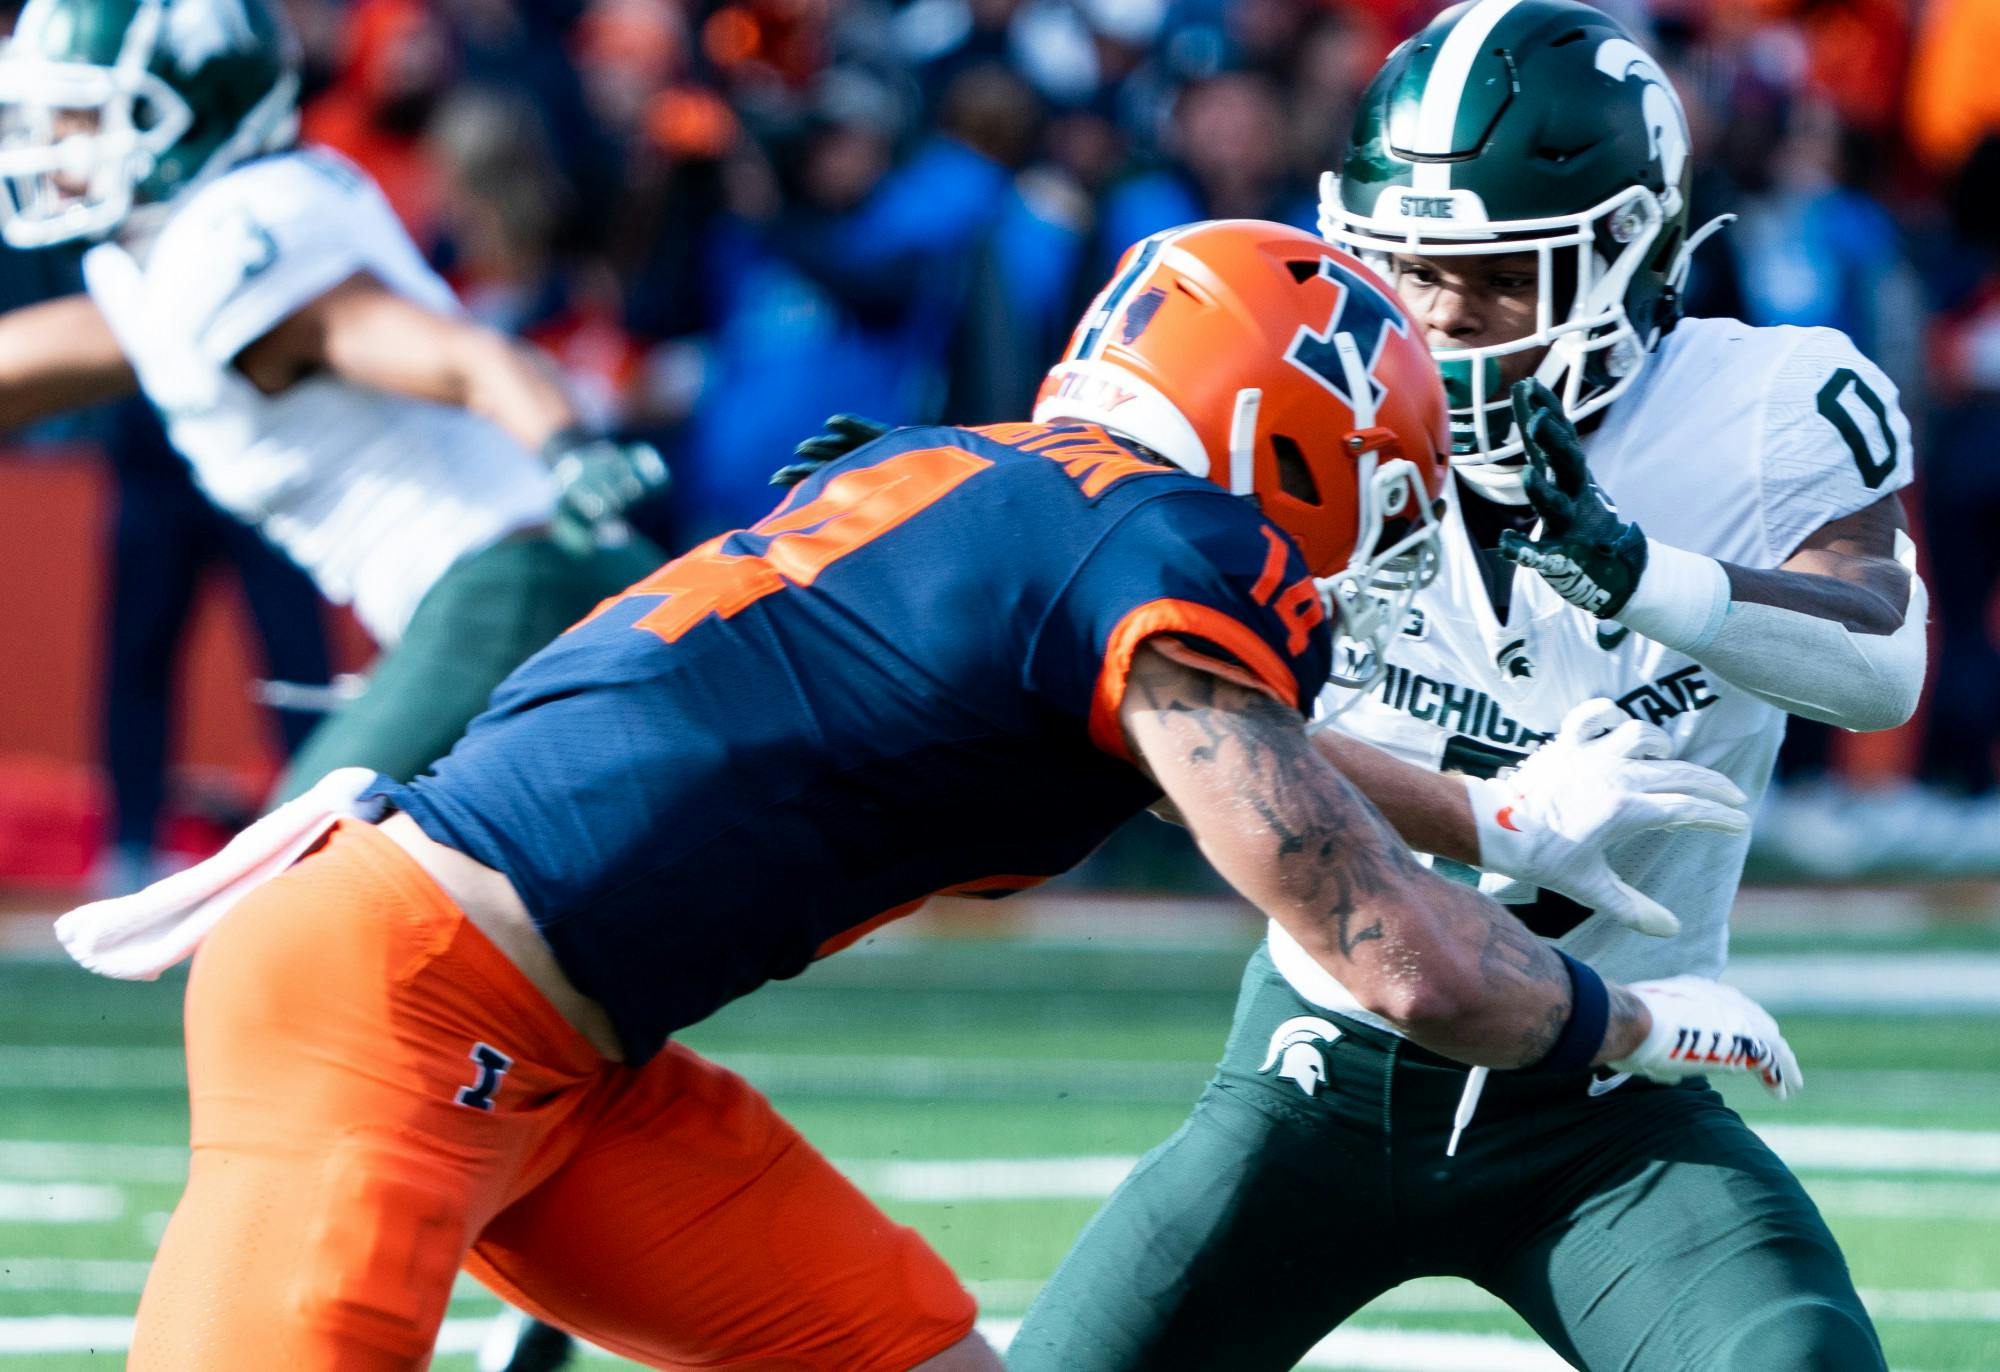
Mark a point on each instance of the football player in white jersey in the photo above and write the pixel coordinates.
(1519, 171)
(320, 379)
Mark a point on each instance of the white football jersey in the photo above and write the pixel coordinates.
(1735, 442)
(373, 494)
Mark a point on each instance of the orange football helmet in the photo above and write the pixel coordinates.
(1281, 368)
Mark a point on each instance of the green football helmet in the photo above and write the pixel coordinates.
(110, 106)
(1527, 126)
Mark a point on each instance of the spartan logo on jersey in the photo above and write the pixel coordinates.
(1513, 662)
(200, 29)
(1666, 127)
(1363, 311)
(1298, 1051)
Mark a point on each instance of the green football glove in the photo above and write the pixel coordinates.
(597, 481)
(842, 434)
(1591, 557)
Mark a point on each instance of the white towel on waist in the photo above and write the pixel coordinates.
(137, 937)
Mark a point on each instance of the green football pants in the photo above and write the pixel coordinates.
(485, 616)
(1641, 1229)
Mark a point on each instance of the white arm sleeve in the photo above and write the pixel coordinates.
(1811, 667)
(1831, 439)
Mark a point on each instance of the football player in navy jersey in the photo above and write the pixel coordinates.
(953, 659)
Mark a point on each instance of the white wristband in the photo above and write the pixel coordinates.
(1502, 847)
(1681, 598)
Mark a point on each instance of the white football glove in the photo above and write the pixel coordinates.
(1701, 1026)
(1603, 778)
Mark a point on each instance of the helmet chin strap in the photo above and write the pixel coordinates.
(1678, 273)
(1504, 480)
(1503, 483)
(1243, 442)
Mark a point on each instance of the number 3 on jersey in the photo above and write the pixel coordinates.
(854, 508)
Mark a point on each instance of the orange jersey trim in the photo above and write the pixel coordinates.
(846, 938)
(1267, 671)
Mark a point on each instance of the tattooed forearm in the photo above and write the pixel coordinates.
(1334, 851)
(1511, 961)
(1449, 967)
(1513, 955)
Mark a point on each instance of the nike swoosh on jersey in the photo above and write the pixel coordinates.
(1608, 641)
(1608, 1084)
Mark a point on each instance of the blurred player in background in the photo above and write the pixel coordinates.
(955, 660)
(317, 375)
(1519, 169)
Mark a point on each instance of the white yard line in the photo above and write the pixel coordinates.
(1906, 1200)
(992, 1179)
(1413, 1350)
(1367, 1350)
(37, 1160)
(51, 1202)
(1852, 1148)
(66, 1334)
(1811, 1148)
(1807, 1147)
(64, 1067)
(1909, 983)
(1429, 1295)
(98, 1276)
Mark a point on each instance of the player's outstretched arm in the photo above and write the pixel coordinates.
(1447, 966)
(1603, 778)
(1835, 633)
(58, 355)
(363, 332)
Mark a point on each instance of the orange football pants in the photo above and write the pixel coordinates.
(380, 1097)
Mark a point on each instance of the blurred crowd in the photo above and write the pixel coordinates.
(728, 219)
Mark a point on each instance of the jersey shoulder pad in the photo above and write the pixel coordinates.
(1204, 571)
(1834, 438)
(248, 249)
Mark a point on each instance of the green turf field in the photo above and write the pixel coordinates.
(1048, 1066)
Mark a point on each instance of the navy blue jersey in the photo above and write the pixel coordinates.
(905, 680)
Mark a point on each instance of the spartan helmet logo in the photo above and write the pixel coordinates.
(1666, 125)
(1298, 1052)
(200, 29)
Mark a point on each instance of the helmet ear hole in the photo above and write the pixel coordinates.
(1295, 478)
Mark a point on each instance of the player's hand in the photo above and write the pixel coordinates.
(1603, 778)
(841, 435)
(1701, 1026)
(1592, 558)
(597, 481)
